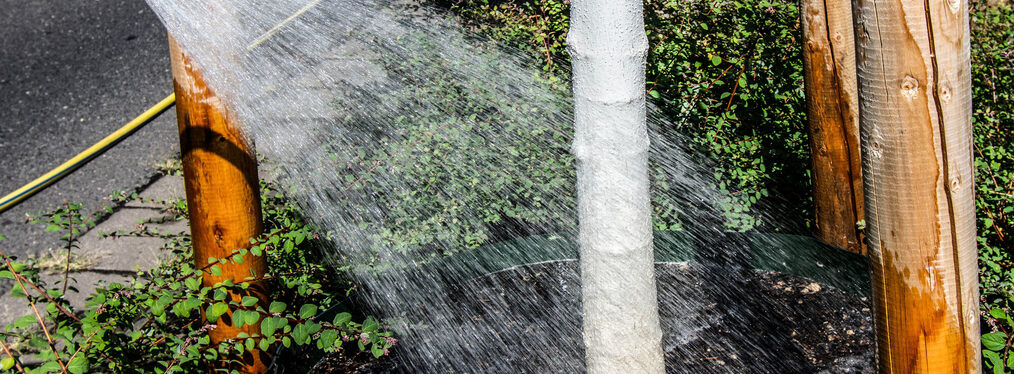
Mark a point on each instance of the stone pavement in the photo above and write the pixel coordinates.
(112, 258)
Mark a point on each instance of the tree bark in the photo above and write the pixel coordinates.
(608, 46)
(223, 199)
(916, 127)
(829, 68)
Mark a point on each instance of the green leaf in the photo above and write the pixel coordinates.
(276, 307)
(216, 310)
(52, 228)
(49, 367)
(7, 363)
(268, 327)
(299, 334)
(249, 301)
(342, 319)
(307, 311)
(994, 341)
(6, 274)
(217, 271)
(370, 325)
(18, 292)
(995, 361)
(193, 283)
(239, 317)
(715, 60)
(252, 317)
(78, 365)
(24, 321)
(377, 351)
(327, 339)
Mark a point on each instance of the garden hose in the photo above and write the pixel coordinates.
(84, 157)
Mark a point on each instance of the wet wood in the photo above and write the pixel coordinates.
(915, 120)
(220, 175)
(832, 110)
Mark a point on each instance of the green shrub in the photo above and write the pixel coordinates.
(152, 322)
(993, 132)
(728, 73)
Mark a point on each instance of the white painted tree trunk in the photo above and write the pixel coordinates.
(608, 45)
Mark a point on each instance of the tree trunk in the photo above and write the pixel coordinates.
(829, 67)
(223, 199)
(916, 127)
(608, 46)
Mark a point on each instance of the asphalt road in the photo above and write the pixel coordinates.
(71, 72)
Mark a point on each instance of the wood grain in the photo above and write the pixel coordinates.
(832, 111)
(915, 121)
(223, 200)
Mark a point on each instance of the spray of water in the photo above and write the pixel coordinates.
(439, 165)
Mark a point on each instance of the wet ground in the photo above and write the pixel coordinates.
(714, 321)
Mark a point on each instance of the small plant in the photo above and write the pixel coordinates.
(153, 323)
(996, 345)
(66, 219)
(171, 166)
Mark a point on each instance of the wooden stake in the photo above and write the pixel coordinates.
(220, 175)
(916, 126)
(829, 67)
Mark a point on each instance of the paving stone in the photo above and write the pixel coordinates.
(168, 188)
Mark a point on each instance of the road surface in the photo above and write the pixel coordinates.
(71, 72)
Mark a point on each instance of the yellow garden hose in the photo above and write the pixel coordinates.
(82, 158)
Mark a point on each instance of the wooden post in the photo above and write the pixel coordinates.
(916, 132)
(220, 175)
(829, 68)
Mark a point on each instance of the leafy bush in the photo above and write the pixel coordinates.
(152, 323)
(993, 132)
(730, 75)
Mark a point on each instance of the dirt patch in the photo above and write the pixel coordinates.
(527, 320)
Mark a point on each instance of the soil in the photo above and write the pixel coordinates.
(714, 320)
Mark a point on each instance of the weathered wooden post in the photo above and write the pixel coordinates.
(220, 175)
(915, 117)
(608, 46)
(829, 68)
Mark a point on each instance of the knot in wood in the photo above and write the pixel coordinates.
(954, 6)
(945, 92)
(955, 184)
(909, 86)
